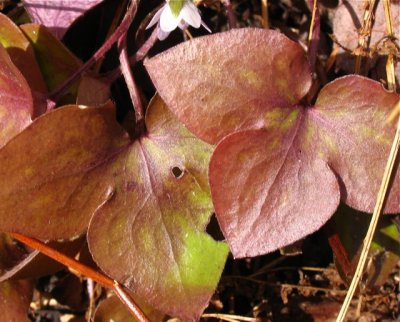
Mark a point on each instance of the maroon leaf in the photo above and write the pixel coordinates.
(15, 297)
(273, 181)
(230, 79)
(151, 198)
(21, 53)
(267, 197)
(347, 22)
(279, 191)
(57, 15)
(16, 104)
(51, 172)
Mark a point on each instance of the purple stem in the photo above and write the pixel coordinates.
(113, 75)
(120, 31)
(129, 79)
(231, 15)
(315, 37)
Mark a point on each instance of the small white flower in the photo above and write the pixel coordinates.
(176, 13)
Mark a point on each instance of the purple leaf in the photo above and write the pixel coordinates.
(57, 15)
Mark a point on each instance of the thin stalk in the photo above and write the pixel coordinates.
(390, 74)
(264, 13)
(121, 30)
(129, 79)
(365, 32)
(86, 271)
(113, 75)
(379, 206)
(231, 14)
(314, 35)
(114, 23)
(230, 317)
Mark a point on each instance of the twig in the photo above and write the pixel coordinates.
(129, 79)
(381, 199)
(264, 12)
(229, 317)
(86, 271)
(90, 291)
(390, 74)
(314, 35)
(284, 285)
(121, 30)
(364, 33)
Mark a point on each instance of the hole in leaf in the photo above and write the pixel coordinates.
(177, 172)
(214, 230)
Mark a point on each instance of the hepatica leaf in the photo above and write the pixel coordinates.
(16, 105)
(226, 85)
(155, 221)
(112, 309)
(150, 197)
(15, 297)
(48, 172)
(56, 62)
(57, 15)
(21, 53)
(280, 171)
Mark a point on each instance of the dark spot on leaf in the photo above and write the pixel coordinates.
(130, 185)
(177, 172)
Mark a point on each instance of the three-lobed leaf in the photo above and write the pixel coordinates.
(155, 221)
(276, 175)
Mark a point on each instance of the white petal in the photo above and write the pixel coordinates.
(206, 27)
(161, 35)
(190, 14)
(168, 21)
(156, 17)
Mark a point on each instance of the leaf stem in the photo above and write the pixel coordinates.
(129, 79)
(314, 34)
(379, 206)
(113, 75)
(121, 30)
(85, 271)
(231, 14)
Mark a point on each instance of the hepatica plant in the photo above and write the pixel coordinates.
(280, 166)
(233, 134)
